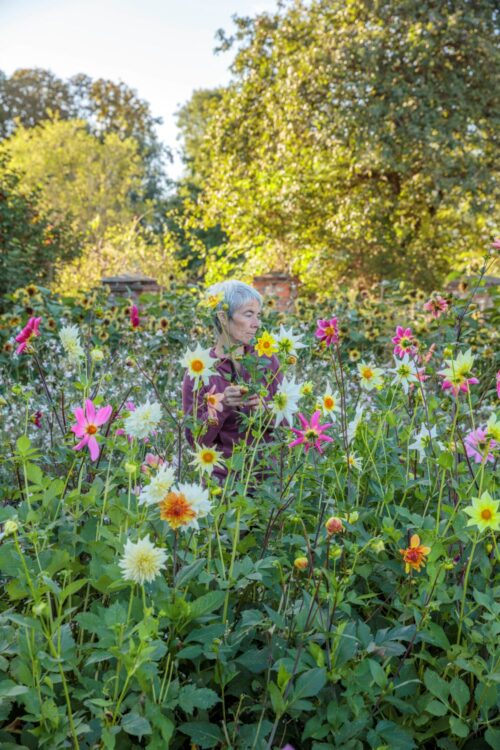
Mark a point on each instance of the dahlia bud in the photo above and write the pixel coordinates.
(334, 525)
(301, 563)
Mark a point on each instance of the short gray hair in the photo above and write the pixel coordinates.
(234, 295)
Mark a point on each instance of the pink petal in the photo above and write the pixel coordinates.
(103, 415)
(303, 421)
(93, 448)
(299, 441)
(90, 410)
(81, 444)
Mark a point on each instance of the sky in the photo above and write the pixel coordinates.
(162, 48)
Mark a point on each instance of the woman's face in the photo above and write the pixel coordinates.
(245, 322)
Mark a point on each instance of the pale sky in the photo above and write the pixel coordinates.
(162, 48)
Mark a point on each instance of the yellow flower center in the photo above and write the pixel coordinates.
(145, 563)
(208, 457)
(330, 331)
(367, 373)
(329, 402)
(486, 514)
(91, 429)
(311, 435)
(197, 365)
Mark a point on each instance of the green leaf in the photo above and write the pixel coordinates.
(9, 689)
(459, 692)
(396, 736)
(23, 445)
(377, 673)
(310, 683)
(278, 704)
(202, 733)
(188, 572)
(72, 588)
(135, 724)
(492, 737)
(206, 604)
(436, 708)
(436, 685)
(458, 727)
(191, 697)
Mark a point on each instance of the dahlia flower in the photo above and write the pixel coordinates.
(29, 331)
(143, 420)
(87, 424)
(328, 331)
(142, 561)
(311, 435)
(404, 342)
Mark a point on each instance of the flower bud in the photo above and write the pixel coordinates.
(448, 351)
(291, 360)
(335, 553)
(39, 609)
(334, 525)
(130, 467)
(353, 517)
(10, 527)
(97, 355)
(301, 563)
(378, 545)
(489, 548)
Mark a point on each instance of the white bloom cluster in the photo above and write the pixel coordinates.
(70, 339)
(141, 422)
(158, 487)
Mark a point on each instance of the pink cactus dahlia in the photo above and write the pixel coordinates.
(312, 433)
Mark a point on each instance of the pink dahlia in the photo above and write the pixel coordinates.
(458, 383)
(478, 446)
(328, 331)
(151, 462)
(404, 342)
(29, 331)
(496, 243)
(134, 316)
(436, 306)
(87, 424)
(312, 433)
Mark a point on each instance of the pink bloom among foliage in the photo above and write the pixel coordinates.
(328, 331)
(478, 445)
(436, 306)
(404, 342)
(312, 433)
(460, 384)
(134, 316)
(29, 331)
(87, 424)
(496, 243)
(151, 462)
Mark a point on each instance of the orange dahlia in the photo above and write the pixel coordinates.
(176, 510)
(414, 555)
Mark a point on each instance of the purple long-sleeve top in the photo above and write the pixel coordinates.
(229, 428)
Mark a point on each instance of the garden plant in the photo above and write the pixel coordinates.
(339, 589)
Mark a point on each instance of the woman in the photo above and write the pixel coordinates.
(237, 320)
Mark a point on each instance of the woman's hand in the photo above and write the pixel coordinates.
(233, 395)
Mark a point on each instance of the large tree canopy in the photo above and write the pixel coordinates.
(32, 95)
(356, 138)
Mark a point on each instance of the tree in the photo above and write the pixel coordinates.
(32, 95)
(356, 138)
(82, 179)
(31, 246)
